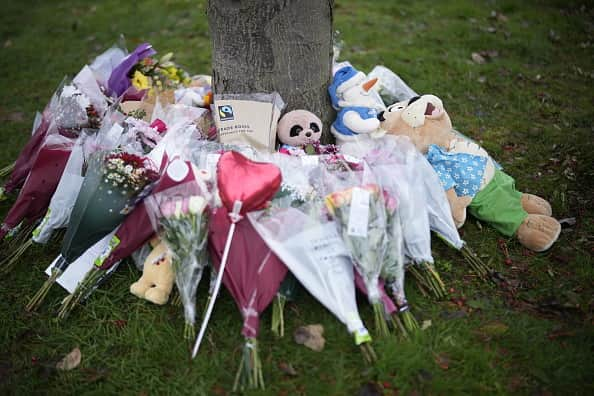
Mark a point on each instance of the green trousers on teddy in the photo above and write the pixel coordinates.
(499, 204)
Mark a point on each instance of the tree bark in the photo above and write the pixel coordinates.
(275, 45)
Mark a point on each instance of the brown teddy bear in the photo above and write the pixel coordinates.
(472, 179)
(158, 276)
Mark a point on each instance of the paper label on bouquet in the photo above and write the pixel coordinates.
(324, 244)
(212, 159)
(310, 160)
(77, 270)
(246, 122)
(359, 213)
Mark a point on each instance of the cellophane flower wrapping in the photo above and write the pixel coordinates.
(112, 185)
(299, 231)
(356, 201)
(40, 185)
(180, 217)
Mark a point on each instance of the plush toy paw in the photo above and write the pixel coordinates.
(538, 232)
(458, 206)
(157, 295)
(534, 204)
(139, 288)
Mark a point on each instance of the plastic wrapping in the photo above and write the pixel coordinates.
(34, 197)
(60, 206)
(310, 246)
(104, 64)
(356, 201)
(111, 183)
(180, 216)
(392, 88)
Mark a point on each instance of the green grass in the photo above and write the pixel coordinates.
(531, 107)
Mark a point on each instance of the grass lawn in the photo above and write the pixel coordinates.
(531, 105)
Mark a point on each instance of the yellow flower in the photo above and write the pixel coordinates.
(140, 81)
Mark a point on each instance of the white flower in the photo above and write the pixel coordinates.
(196, 204)
(128, 169)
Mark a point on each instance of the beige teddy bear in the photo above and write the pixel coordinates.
(158, 276)
(471, 178)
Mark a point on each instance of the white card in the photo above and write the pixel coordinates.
(325, 245)
(212, 159)
(77, 270)
(359, 213)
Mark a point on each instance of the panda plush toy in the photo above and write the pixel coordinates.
(299, 132)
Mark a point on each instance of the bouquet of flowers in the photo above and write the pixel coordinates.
(180, 216)
(393, 161)
(356, 201)
(253, 275)
(113, 182)
(38, 189)
(307, 241)
(143, 73)
(75, 105)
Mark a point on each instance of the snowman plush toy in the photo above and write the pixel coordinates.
(357, 103)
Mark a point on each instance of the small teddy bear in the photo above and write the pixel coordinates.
(357, 105)
(158, 276)
(299, 132)
(470, 177)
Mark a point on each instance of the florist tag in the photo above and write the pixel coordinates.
(212, 159)
(359, 213)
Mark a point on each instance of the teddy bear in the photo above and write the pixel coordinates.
(472, 180)
(357, 104)
(158, 276)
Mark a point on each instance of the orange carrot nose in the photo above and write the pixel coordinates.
(369, 84)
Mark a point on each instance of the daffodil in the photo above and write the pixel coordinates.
(140, 81)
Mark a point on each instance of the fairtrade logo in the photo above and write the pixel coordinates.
(225, 113)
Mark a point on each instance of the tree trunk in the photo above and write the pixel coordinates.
(274, 45)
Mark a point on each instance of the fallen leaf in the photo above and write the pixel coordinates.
(442, 360)
(287, 368)
(311, 336)
(70, 361)
(426, 324)
(477, 58)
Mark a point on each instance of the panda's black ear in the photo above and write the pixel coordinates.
(295, 130)
(314, 127)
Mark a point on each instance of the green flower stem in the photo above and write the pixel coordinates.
(8, 263)
(189, 331)
(81, 291)
(397, 324)
(380, 322)
(368, 352)
(6, 170)
(410, 323)
(278, 316)
(477, 265)
(39, 297)
(249, 374)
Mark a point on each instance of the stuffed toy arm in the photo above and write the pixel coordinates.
(458, 206)
(355, 123)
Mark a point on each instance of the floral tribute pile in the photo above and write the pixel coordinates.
(124, 164)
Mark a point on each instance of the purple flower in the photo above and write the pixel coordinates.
(119, 82)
